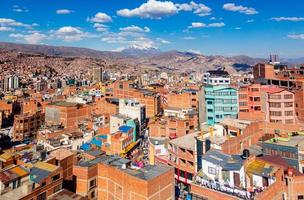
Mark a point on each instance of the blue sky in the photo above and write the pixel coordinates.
(212, 27)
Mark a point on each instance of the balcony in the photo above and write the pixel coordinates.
(225, 189)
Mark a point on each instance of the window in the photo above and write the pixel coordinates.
(289, 113)
(243, 103)
(288, 104)
(277, 96)
(93, 194)
(275, 113)
(211, 170)
(41, 196)
(289, 121)
(92, 183)
(274, 105)
(57, 188)
(209, 102)
(56, 177)
(225, 176)
(288, 96)
(256, 99)
(300, 197)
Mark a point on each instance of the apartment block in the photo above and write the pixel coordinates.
(173, 127)
(220, 102)
(280, 106)
(66, 114)
(185, 156)
(283, 76)
(216, 77)
(187, 99)
(27, 125)
(114, 178)
(250, 102)
(127, 90)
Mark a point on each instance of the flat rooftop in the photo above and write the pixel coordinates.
(291, 141)
(237, 123)
(186, 142)
(66, 195)
(146, 173)
(64, 104)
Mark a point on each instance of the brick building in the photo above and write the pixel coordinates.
(111, 177)
(282, 76)
(66, 114)
(27, 125)
(127, 90)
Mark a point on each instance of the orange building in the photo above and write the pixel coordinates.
(282, 76)
(173, 127)
(183, 157)
(121, 140)
(27, 125)
(183, 100)
(66, 114)
(44, 180)
(250, 102)
(113, 178)
(86, 178)
(125, 90)
(65, 159)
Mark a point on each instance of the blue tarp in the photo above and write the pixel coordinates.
(96, 142)
(125, 129)
(85, 147)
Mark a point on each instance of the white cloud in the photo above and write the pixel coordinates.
(214, 18)
(100, 18)
(203, 25)
(134, 28)
(198, 8)
(242, 9)
(189, 38)
(296, 36)
(142, 43)
(154, 9)
(292, 19)
(16, 8)
(33, 38)
(118, 49)
(69, 34)
(197, 25)
(194, 51)
(237, 28)
(3, 28)
(129, 39)
(250, 21)
(64, 11)
(100, 27)
(163, 41)
(13, 23)
(217, 25)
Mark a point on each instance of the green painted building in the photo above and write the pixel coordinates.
(220, 102)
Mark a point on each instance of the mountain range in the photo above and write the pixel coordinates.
(146, 58)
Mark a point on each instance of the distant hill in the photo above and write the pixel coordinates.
(150, 58)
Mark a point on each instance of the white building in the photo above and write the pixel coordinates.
(178, 112)
(216, 77)
(223, 168)
(132, 109)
